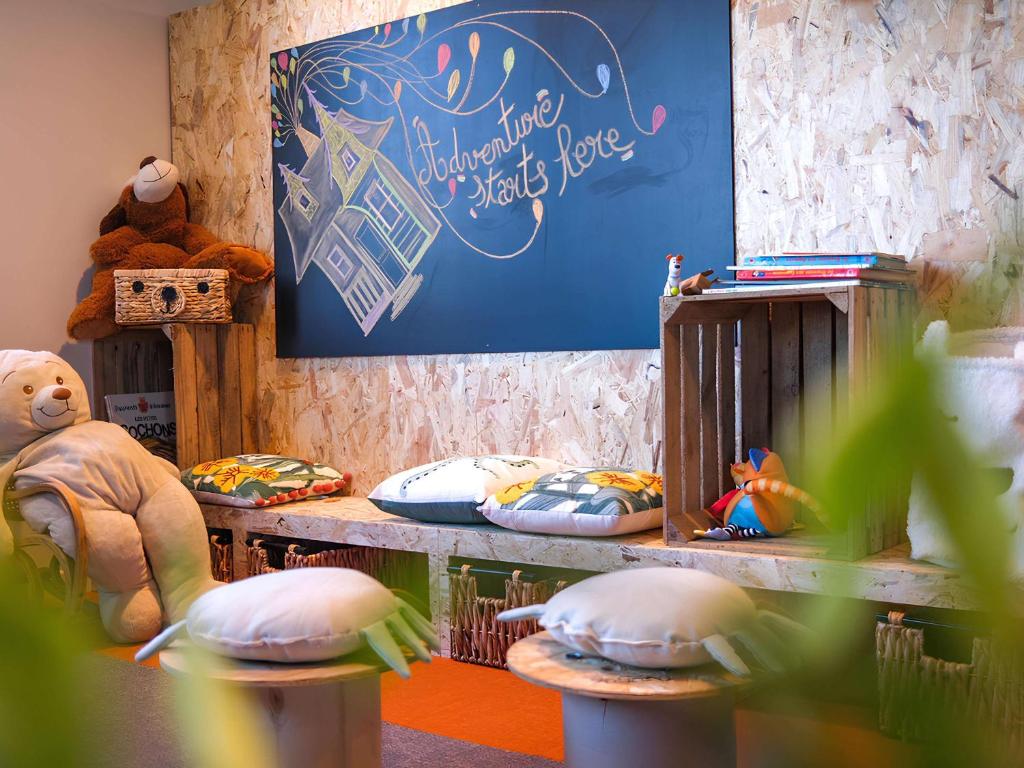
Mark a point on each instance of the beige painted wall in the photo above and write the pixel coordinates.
(895, 126)
(85, 98)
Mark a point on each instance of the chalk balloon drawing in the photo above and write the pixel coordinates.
(499, 176)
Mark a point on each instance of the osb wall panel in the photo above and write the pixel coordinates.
(892, 126)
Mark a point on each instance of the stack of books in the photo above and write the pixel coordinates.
(800, 268)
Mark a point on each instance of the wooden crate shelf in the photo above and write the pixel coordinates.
(736, 369)
(210, 367)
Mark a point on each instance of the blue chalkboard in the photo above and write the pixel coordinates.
(499, 176)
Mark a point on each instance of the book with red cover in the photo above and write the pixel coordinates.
(826, 273)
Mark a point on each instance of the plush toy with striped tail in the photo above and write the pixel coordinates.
(764, 503)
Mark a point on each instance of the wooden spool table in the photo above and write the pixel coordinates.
(616, 716)
(323, 715)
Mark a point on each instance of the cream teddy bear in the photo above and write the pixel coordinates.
(148, 554)
(981, 390)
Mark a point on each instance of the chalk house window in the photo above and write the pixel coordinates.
(384, 205)
(342, 262)
(349, 159)
(306, 203)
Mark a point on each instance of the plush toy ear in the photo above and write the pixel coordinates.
(116, 218)
(936, 339)
(188, 208)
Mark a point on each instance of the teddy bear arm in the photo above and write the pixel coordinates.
(246, 265)
(113, 248)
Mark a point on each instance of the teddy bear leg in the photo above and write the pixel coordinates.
(128, 597)
(93, 318)
(175, 538)
(129, 602)
(133, 616)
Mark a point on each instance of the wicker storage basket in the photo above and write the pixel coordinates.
(917, 691)
(477, 637)
(390, 567)
(149, 296)
(221, 560)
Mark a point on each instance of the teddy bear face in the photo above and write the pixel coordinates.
(39, 393)
(155, 181)
(153, 202)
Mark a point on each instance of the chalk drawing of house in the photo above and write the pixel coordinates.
(350, 212)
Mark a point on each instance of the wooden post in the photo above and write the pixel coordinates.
(672, 472)
(325, 714)
(186, 395)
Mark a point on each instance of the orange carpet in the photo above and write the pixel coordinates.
(127, 653)
(485, 706)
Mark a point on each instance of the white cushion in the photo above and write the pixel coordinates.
(450, 491)
(647, 617)
(307, 614)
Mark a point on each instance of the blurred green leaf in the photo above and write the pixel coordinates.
(41, 720)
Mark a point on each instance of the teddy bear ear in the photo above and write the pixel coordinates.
(116, 218)
(188, 207)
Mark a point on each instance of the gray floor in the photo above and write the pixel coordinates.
(135, 727)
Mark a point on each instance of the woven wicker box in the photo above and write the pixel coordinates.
(150, 296)
(917, 693)
(395, 569)
(221, 562)
(477, 637)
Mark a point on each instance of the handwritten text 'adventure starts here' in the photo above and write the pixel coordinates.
(531, 177)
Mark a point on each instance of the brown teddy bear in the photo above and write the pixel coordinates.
(149, 229)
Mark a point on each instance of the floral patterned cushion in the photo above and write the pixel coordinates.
(580, 501)
(261, 479)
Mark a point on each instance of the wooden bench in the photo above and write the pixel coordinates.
(792, 564)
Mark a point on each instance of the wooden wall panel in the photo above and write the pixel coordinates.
(892, 125)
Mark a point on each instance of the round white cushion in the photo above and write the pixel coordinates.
(648, 617)
(307, 614)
